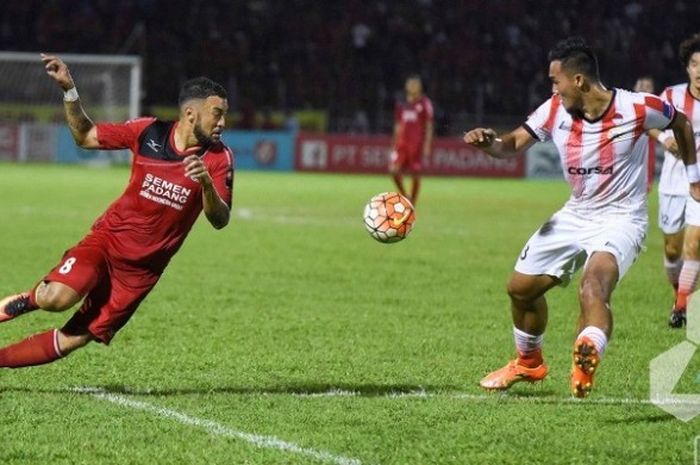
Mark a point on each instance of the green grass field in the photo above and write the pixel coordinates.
(291, 337)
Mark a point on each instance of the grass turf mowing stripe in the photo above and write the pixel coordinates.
(269, 442)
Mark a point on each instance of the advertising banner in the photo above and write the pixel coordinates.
(341, 153)
(9, 142)
(261, 150)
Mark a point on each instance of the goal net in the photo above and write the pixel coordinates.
(32, 119)
(109, 86)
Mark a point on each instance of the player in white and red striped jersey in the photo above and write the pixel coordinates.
(676, 209)
(600, 134)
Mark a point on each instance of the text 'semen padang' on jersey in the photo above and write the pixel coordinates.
(148, 223)
(604, 160)
(673, 180)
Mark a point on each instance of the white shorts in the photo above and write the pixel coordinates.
(675, 211)
(692, 211)
(567, 240)
(671, 213)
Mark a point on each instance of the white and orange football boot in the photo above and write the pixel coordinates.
(585, 362)
(513, 372)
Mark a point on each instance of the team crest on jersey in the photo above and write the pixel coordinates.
(409, 115)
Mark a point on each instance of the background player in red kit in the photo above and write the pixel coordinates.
(179, 169)
(413, 136)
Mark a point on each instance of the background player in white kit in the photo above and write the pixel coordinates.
(646, 84)
(600, 135)
(676, 208)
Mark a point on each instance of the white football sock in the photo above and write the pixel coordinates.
(526, 343)
(673, 270)
(688, 277)
(597, 337)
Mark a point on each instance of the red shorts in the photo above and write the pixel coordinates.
(112, 290)
(406, 159)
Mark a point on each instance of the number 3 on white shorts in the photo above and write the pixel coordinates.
(67, 265)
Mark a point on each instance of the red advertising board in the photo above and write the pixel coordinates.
(342, 153)
(9, 141)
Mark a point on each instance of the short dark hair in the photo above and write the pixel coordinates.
(575, 55)
(687, 48)
(200, 88)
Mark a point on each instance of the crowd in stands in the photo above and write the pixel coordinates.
(479, 58)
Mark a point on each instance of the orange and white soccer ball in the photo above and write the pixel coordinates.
(389, 217)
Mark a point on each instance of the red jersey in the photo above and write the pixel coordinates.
(413, 118)
(148, 223)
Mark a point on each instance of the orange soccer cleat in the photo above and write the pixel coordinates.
(513, 373)
(585, 363)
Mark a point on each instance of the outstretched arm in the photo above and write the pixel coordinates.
(215, 209)
(81, 126)
(668, 141)
(508, 145)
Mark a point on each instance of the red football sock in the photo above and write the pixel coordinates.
(686, 282)
(35, 350)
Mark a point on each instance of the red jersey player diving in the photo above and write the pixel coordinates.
(600, 135)
(413, 136)
(179, 169)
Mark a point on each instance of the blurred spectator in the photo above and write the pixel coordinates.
(360, 123)
(644, 84)
(268, 123)
(248, 118)
(291, 122)
(483, 59)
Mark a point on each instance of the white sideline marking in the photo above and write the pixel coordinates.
(548, 399)
(269, 442)
(422, 394)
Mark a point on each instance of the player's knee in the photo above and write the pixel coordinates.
(520, 291)
(672, 251)
(55, 298)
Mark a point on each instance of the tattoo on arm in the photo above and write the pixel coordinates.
(78, 122)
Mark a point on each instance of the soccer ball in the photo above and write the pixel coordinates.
(389, 217)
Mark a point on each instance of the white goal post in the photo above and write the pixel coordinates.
(109, 86)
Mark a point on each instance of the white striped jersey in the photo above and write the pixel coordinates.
(673, 179)
(604, 160)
